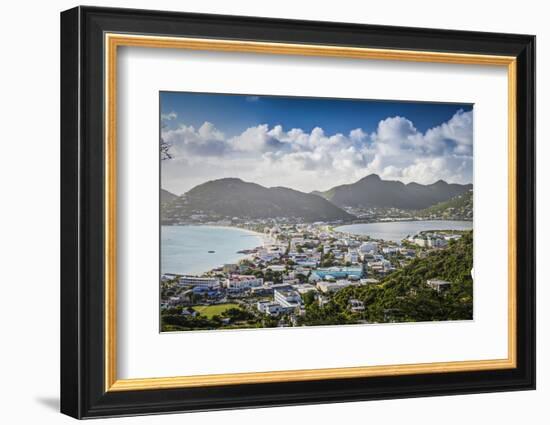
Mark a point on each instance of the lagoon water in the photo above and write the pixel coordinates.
(184, 249)
(398, 230)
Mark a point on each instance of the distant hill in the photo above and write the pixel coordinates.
(373, 192)
(232, 197)
(166, 196)
(460, 206)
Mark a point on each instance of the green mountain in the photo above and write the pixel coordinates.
(166, 196)
(461, 206)
(373, 192)
(232, 197)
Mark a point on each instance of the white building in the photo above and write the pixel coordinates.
(369, 281)
(322, 300)
(368, 247)
(277, 268)
(352, 257)
(438, 284)
(287, 298)
(356, 306)
(303, 288)
(243, 282)
(310, 262)
(437, 243)
(429, 242)
(380, 266)
(390, 250)
(270, 308)
(201, 282)
(326, 286)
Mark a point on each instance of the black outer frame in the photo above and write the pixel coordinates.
(82, 206)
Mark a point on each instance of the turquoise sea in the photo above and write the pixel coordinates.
(185, 249)
(398, 230)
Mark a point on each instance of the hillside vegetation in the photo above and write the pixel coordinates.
(404, 296)
(460, 206)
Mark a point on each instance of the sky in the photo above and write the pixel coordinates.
(312, 143)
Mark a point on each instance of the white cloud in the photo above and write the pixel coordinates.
(257, 139)
(316, 161)
(169, 117)
(190, 143)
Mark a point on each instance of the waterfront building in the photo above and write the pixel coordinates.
(169, 276)
(452, 237)
(437, 243)
(429, 241)
(230, 268)
(201, 282)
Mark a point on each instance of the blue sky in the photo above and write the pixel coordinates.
(312, 143)
(234, 113)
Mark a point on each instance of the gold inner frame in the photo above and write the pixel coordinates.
(113, 41)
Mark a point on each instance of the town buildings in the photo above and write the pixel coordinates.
(302, 263)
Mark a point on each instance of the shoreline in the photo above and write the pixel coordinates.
(405, 221)
(264, 238)
(264, 241)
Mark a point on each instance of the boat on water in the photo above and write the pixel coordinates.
(211, 252)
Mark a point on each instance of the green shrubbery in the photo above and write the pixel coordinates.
(404, 296)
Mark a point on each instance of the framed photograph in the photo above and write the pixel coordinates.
(261, 212)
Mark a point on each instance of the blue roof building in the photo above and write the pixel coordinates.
(336, 272)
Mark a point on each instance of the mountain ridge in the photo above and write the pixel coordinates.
(166, 196)
(373, 192)
(233, 197)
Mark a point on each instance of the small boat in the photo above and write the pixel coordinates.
(211, 252)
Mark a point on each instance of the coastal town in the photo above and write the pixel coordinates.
(282, 211)
(297, 277)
